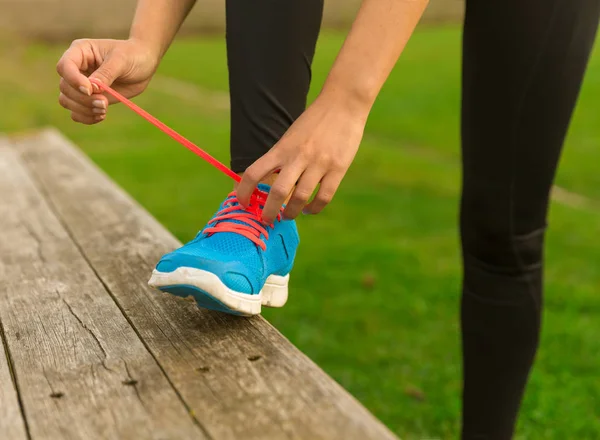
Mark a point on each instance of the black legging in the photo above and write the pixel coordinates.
(523, 64)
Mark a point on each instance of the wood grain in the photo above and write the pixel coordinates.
(12, 424)
(240, 376)
(82, 371)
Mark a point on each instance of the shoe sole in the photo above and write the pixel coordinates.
(210, 292)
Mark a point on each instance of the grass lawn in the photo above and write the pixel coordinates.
(374, 297)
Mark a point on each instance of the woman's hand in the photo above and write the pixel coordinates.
(317, 149)
(127, 65)
(321, 144)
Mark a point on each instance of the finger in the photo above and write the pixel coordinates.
(280, 190)
(112, 67)
(254, 174)
(301, 195)
(93, 101)
(327, 190)
(69, 68)
(75, 107)
(87, 120)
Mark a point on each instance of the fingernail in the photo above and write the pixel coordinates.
(305, 212)
(98, 103)
(99, 111)
(100, 117)
(95, 87)
(85, 91)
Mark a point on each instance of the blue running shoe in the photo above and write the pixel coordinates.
(236, 263)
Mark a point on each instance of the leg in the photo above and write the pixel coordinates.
(232, 266)
(522, 69)
(270, 47)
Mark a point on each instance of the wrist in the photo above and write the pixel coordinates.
(153, 50)
(154, 42)
(356, 100)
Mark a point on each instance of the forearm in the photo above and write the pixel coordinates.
(156, 22)
(377, 38)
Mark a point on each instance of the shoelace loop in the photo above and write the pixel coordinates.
(247, 223)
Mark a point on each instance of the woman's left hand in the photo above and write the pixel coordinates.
(317, 149)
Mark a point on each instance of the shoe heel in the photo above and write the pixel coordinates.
(275, 291)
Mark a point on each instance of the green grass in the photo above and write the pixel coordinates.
(374, 296)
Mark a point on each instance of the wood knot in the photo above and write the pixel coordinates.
(203, 369)
(254, 357)
(130, 382)
(57, 395)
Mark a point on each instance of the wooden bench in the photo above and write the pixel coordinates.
(91, 352)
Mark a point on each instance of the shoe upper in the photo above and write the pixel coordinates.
(242, 259)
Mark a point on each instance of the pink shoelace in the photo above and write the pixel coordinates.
(249, 222)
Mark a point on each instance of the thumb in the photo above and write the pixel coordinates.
(68, 68)
(111, 69)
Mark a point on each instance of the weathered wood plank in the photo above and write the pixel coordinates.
(81, 370)
(12, 425)
(240, 376)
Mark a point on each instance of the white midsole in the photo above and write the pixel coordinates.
(273, 294)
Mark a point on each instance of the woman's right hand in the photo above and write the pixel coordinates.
(125, 65)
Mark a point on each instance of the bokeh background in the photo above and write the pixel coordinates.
(375, 291)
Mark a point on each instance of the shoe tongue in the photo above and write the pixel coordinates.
(230, 241)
